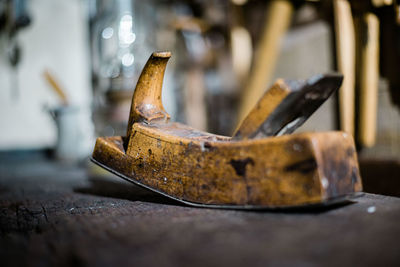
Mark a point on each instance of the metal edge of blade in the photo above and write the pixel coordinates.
(284, 120)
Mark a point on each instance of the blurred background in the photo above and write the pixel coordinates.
(68, 70)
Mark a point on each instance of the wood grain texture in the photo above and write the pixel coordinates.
(282, 171)
(202, 168)
(271, 99)
(146, 100)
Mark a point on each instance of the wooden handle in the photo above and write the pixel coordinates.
(241, 52)
(56, 87)
(345, 53)
(241, 44)
(146, 101)
(276, 24)
(369, 78)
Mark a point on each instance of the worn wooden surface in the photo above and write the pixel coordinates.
(290, 170)
(248, 170)
(146, 100)
(55, 215)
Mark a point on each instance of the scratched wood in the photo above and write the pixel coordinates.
(246, 170)
(286, 171)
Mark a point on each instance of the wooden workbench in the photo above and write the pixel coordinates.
(57, 215)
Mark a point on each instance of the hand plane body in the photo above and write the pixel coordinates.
(261, 166)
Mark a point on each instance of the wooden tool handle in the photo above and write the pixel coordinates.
(276, 24)
(146, 102)
(369, 77)
(345, 53)
(56, 87)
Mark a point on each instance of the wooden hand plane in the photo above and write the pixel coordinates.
(261, 166)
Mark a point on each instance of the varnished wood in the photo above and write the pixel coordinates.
(146, 101)
(283, 171)
(202, 168)
(263, 109)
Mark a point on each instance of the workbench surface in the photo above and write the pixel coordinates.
(56, 215)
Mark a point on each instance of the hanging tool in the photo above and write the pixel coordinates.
(241, 44)
(368, 79)
(13, 17)
(277, 22)
(254, 169)
(346, 58)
